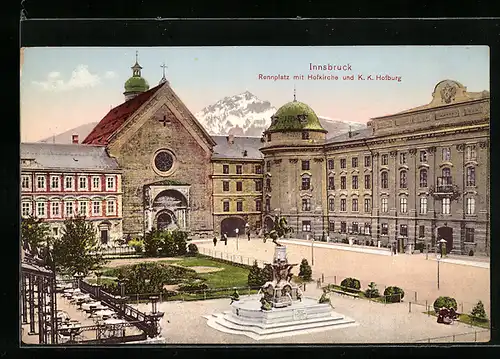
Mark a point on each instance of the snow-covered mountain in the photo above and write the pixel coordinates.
(245, 114)
(240, 115)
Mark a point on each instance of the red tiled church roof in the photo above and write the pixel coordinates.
(117, 117)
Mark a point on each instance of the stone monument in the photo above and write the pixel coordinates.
(279, 309)
(280, 292)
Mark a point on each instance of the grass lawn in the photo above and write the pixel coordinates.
(467, 319)
(230, 276)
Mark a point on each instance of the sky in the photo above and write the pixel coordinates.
(63, 88)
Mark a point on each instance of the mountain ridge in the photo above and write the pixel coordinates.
(243, 114)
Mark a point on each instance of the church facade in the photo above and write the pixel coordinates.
(413, 177)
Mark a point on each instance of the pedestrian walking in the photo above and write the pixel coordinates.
(215, 241)
(248, 235)
(225, 238)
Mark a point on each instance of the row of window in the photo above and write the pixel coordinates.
(444, 180)
(69, 183)
(470, 155)
(239, 206)
(343, 182)
(239, 186)
(239, 169)
(366, 229)
(69, 208)
(470, 205)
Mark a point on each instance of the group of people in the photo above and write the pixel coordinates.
(223, 237)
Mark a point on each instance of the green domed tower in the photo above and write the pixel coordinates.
(136, 84)
(294, 169)
(295, 121)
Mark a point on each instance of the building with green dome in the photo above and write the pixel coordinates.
(135, 84)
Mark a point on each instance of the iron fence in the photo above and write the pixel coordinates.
(235, 258)
(117, 250)
(201, 294)
(469, 337)
(409, 295)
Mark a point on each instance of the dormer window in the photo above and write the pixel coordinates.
(268, 137)
(305, 135)
(302, 117)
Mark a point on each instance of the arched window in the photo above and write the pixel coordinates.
(403, 183)
(423, 178)
(384, 180)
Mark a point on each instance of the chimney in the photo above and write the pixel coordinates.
(350, 132)
(74, 139)
(245, 153)
(230, 139)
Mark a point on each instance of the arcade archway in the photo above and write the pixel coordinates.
(229, 225)
(446, 233)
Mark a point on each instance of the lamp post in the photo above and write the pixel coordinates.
(98, 275)
(312, 251)
(78, 277)
(155, 316)
(441, 242)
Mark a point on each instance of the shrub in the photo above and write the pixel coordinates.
(350, 285)
(266, 274)
(254, 276)
(478, 312)
(193, 249)
(180, 238)
(393, 294)
(168, 247)
(152, 242)
(137, 244)
(345, 241)
(419, 247)
(445, 302)
(372, 291)
(192, 286)
(305, 271)
(471, 253)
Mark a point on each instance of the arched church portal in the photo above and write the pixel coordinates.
(169, 211)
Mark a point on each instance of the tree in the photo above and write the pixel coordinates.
(152, 242)
(180, 242)
(35, 233)
(280, 229)
(254, 275)
(478, 312)
(168, 247)
(372, 291)
(266, 274)
(77, 250)
(305, 271)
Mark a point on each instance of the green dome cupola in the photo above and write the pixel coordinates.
(136, 84)
(295, 116)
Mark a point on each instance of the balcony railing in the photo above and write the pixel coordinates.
(444, 185)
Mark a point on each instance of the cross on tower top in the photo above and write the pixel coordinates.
(294, 94)
(163, 79)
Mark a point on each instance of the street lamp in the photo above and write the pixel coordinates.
(78, 276)
(98, 275)
(441, 242)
